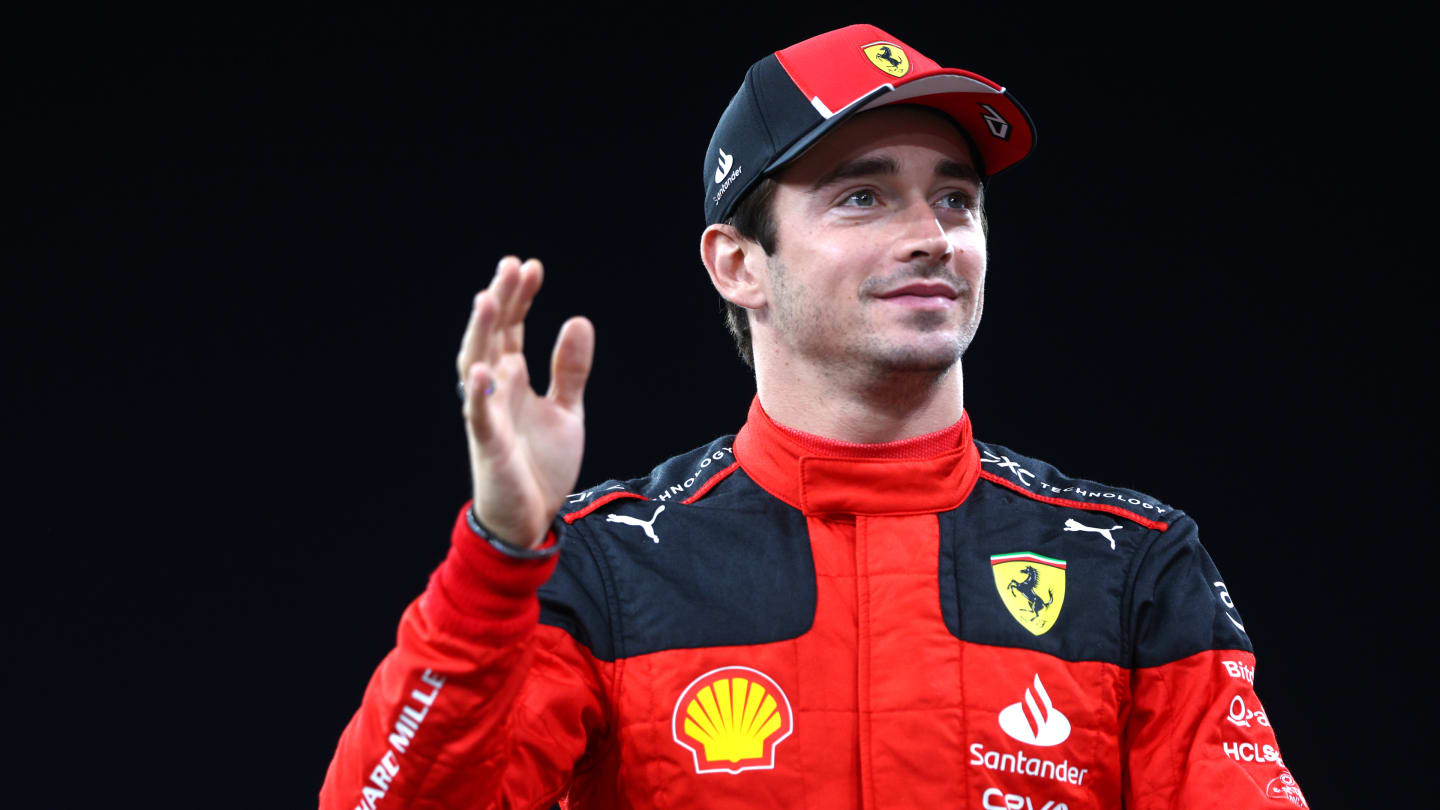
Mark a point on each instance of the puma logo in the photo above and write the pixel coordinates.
(648, 525)
(1073, 525)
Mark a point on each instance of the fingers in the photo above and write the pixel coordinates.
(480, 411)
(494, 395)
(497, 319)
(504, 285)
(516, 305)
(479, 343)
(571, 361)
(494, 338)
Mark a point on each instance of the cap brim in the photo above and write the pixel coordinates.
(998, 126)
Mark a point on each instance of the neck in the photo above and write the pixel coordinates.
(883, 407)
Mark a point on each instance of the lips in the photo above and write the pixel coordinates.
(922, 289)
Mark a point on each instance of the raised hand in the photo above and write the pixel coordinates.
(525, 449)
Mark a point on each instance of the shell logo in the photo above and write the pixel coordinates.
(731, 719)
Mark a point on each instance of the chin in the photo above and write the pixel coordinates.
(936, 357)
(918, 363)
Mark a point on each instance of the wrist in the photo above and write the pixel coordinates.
(487, 593)
(546, 546)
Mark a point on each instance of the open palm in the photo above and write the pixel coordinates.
(525, 449)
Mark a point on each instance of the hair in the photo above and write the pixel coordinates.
(754, 219)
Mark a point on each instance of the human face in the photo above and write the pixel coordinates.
(880, 264)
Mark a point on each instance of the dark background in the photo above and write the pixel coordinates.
(244, 250)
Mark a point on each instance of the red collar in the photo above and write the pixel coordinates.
(930, 473)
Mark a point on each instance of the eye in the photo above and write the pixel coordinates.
(957, 199)
(865, 198)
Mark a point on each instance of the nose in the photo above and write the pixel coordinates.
(922, 238)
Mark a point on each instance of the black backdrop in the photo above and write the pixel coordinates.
(245, 245)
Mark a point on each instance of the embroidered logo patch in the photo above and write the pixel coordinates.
(889, 57)
(731, 719)
(1032, 586)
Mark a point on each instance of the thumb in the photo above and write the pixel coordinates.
(570, 362)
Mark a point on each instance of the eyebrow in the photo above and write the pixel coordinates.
(958, 170)
(866, 167)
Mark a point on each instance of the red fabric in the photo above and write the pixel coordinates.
(506, 719)
(1207, 699)
(481, 593)
(833, 69)
(822, 476)
(477, 707)
(929, 444)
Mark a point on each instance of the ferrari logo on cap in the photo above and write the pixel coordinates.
(889, 57)
(1032, 586)
(731, 719)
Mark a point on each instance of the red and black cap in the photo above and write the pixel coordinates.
(792, 97)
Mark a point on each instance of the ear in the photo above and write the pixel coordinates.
(736, 266)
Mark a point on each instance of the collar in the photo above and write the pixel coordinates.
(930, 473)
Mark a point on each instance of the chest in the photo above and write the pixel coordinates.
(961, 660)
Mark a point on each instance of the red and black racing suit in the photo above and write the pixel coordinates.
(787, 621)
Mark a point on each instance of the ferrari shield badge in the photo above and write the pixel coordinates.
(889, 57)
(1032, 586)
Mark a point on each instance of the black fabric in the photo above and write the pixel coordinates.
(1090, 624)
(733, 568)
(1116, 599)
(1179, 602)
(733, 571)
(767, 114)
(1042, 479)
(578, 598)
(789, 115)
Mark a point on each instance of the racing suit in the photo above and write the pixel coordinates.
(780, 620)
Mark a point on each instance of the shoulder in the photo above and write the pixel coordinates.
(1036, 480)
(653, 563)
(683, 479)
(1156, 544)
(1114, 542)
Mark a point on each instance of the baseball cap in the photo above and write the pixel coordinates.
(793, 97)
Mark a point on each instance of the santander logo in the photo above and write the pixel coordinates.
(1035, 724)
(725, 161)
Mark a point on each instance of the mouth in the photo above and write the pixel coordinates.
(922, 295)
(922, 289)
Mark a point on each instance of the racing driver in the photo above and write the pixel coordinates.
(851, 602)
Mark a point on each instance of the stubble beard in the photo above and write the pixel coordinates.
(800, 320)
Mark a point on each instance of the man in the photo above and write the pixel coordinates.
(850, 603)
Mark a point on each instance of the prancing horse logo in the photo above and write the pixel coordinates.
(884, 53)
(647, 525)
(1027, 589)
(1032, 588)
(888, 57)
